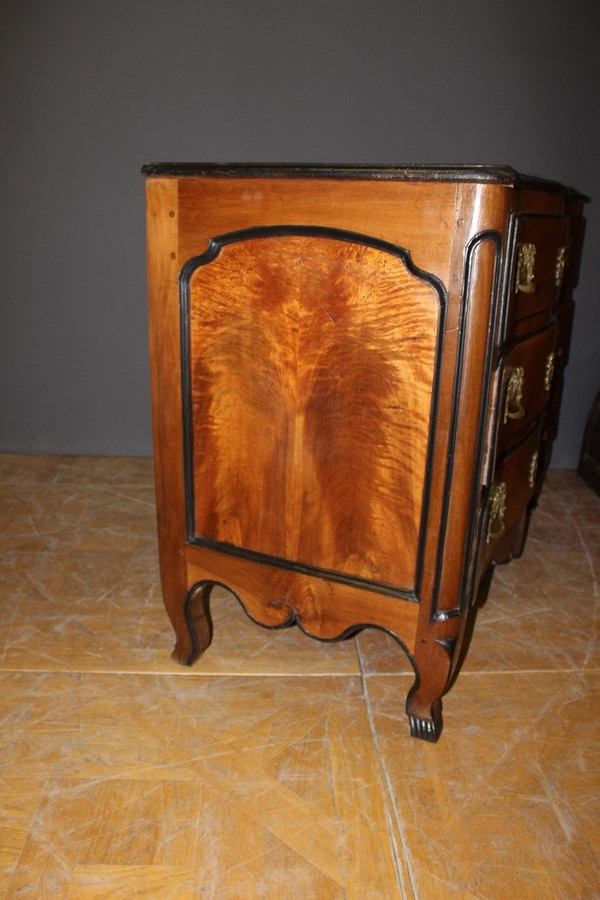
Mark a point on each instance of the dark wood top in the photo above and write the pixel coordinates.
(493, 174)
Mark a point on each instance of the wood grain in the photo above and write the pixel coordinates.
(421, 216)
(162, 240)
(311, 386)
(315, 455)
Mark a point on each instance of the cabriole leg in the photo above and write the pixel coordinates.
(198, 619)
(433, 667)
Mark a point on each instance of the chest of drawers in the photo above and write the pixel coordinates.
(356, 380)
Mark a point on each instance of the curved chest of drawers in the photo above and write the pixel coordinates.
(356, 380)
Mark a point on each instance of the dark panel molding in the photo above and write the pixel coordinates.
(496, 239)
(216, 244)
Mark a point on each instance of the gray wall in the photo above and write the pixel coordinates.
(91, 89)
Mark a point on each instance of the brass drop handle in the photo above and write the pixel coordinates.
(525, 275)
(559, 268)
(513, 405)
(496, 512)
(532, 470)
(549, 371)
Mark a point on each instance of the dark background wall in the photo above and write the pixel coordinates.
(91, 89)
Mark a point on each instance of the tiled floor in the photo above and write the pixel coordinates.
(281, 767)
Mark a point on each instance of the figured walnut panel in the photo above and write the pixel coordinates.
(311, 389)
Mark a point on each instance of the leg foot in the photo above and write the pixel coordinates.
(198, 619)
(427, 729)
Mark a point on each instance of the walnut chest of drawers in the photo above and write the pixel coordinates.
(356, 379)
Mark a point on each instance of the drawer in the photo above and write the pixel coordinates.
(537, 266)
(526, 381)
(564, 315)
(512, 489)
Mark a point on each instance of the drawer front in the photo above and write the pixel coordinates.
(512, 489)
(527, 379)
(564, 316)
(537, 268)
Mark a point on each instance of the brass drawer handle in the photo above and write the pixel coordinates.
(532, 470)
(559, 268)
(525, 277)
(549, 371)
(513, 405)
(496, 511)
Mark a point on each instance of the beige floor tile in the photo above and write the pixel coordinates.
(127, 631)
(266, 771)
(65, 518)
(510, 808)
(151, 771)
(19, 797)
(24, 468)
(105, 470)
(98, 882)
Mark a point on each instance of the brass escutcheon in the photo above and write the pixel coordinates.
(549, 372)
(559, 267)
(496, 511)
(532, 470)
(513, 406)
(525, 277)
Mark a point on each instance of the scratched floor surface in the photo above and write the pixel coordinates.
(279, 767)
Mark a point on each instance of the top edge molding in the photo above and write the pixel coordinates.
(496, 174)
(486, 174)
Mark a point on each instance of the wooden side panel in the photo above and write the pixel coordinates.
(311, 389)
(419, 216)
(162, 237)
